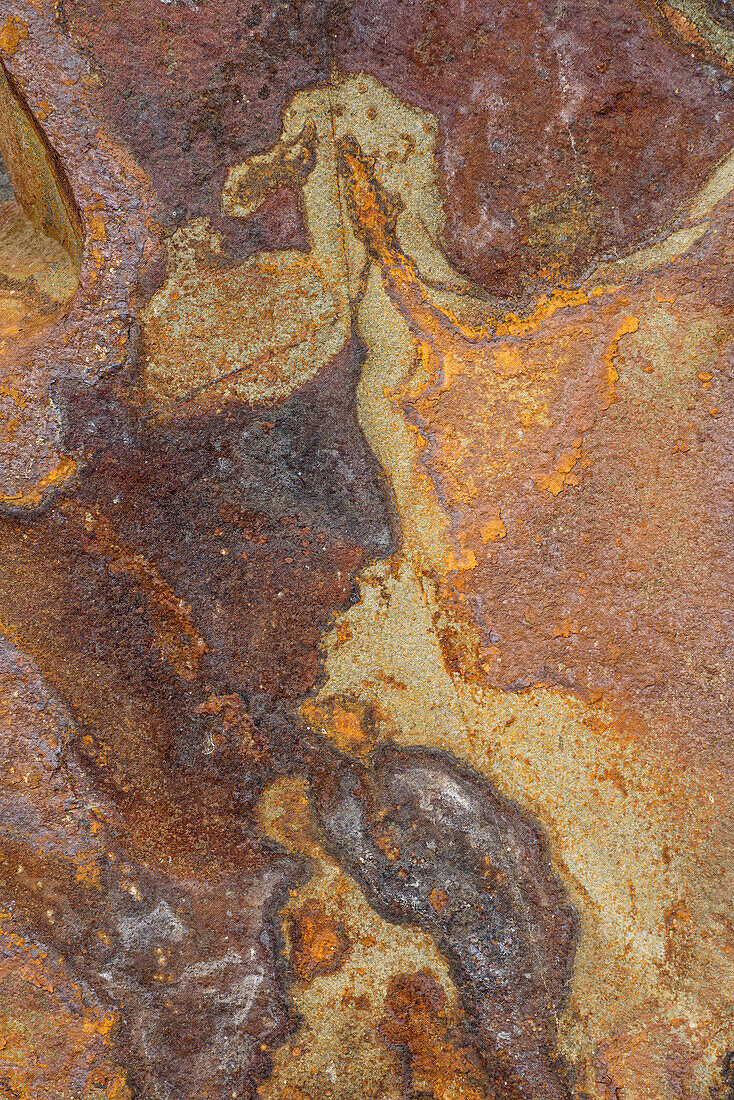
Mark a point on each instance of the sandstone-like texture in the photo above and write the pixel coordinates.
(366, 570)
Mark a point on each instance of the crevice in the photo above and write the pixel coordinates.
(35, 172)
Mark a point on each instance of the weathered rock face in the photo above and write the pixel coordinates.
(193, 88)
(365, 550)
(186, 968)
(434, 846)
(569, 421)
(566, 130)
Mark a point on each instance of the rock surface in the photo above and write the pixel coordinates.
(366, 578)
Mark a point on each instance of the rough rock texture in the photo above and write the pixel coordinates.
(365, 550)
(188, 967)
(105, 199)
(192, 88)
(560, 124)
(433, 845)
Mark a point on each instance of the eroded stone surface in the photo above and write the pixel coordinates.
(106, 197)
(366, 408)
(182, 972)
(436, 847)
(565, 130)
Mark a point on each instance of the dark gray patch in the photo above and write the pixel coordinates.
(6, 187)
(433, 845)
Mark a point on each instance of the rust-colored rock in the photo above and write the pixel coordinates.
(319, 942)
(106, 202)
(557, 413)
(566, 131)
(136, 941)
(440, 1060)
(193, 88)
(365, 550)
